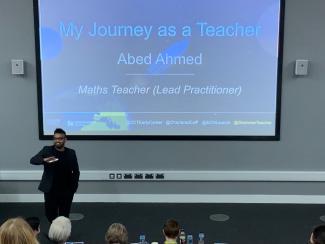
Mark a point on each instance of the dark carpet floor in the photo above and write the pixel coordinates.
(248, 223)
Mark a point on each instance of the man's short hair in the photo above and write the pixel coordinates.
(34, 222)
(60, 229)
(171, 228)
(318, 234)
(59, 131)
(116, 233)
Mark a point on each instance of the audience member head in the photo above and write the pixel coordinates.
(16, 231)
(171, 229)
(116, 233)
(318, 235)
(60, 229)
(34, 223)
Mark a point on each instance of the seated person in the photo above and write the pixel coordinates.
(34, 223)
(116, 234)
(17, 231)
(60, 230)
(318, 235)
(171, 231)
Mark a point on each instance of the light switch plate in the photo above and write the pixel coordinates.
(301, 67)
(17, 66)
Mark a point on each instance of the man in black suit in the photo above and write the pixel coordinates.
(60, 176)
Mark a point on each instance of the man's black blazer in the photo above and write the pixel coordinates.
(48, 173)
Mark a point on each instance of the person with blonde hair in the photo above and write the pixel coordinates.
(116, 234)
(17, 231)
(60, 229)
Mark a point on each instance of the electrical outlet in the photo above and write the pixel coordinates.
(160, 176)
(138, 176)
(128, 176)
(149, 176)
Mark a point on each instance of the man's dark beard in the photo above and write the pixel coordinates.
(60, 146)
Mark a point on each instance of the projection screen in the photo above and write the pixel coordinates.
(137, 69)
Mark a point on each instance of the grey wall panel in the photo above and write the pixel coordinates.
(302, 118)
(213, 188)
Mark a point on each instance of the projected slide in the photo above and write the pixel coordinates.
(159, 68)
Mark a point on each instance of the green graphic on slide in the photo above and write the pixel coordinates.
(107, 121)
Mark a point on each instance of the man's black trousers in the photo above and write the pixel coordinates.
(57, 204)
